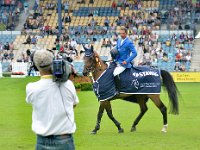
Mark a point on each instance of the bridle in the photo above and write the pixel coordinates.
(92, 69)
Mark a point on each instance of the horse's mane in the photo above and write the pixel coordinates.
(97, 55)
(99, 58)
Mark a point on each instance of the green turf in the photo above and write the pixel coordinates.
(183, 132)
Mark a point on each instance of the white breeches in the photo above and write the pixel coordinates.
(119, 69)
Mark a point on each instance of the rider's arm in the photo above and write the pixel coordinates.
(133, 52)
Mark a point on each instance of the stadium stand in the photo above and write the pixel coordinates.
(162, 30)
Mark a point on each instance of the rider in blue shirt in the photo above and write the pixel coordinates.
(123, 54)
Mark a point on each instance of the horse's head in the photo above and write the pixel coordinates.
(88, 60)
(93, 64)
(89, 64)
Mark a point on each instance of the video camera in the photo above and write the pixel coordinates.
(61, 68)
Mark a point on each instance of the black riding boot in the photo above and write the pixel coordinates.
(117, 83)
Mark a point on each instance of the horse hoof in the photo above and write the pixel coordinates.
(133, 129)
(121, 130)
(164, 130)
(94, 132)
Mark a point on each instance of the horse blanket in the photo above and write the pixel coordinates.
(135, 80)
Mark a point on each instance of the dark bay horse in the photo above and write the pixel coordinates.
(95, 67)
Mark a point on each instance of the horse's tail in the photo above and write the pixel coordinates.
(172, 90)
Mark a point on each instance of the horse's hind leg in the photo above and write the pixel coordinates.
(143, 109)
(110, 115)
(99, 116)
(162, 108)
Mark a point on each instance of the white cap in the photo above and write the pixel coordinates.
(43, 59)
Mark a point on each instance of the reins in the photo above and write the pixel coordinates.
(95, 67)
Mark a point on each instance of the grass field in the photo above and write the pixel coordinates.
(183, 131)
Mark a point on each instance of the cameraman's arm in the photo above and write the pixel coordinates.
(73, 91)
(29, 93)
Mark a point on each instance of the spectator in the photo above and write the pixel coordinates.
(114, 5)
(10, 21)
(26, 7)
(177, 66)
(106, 22)
(165, 57)
(35, 6)
(141, 41)
(168, 43)
(182, 67)
(81, 1)
(146, 58)
(33, 40)
(190, 38)
(1, 47)
(11, 46)
(174, 38)
(96, 12)
(19, 6)
(73, 51)
(154, 63)
(11, 55)
(90, 13)
(182, 37)
(188, 57)
(28, 40)
(57, 45)
(28, 52)
(66, 6)
(104, 43)
(109, 43)
(67, 18)
(91, 1)
(51, 6)
(5, 17)
(160, 54)
(5, 55)
(7, 46)
(73, 43)
(179, 56)
(62, 49)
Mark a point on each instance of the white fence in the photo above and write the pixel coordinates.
(20, 67)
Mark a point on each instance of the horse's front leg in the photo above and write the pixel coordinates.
(110, 115)
(99, 116)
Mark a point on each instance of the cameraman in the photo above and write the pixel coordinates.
(53, 107)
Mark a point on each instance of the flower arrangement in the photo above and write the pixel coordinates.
(18, 73)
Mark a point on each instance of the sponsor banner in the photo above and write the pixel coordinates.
(186, 76)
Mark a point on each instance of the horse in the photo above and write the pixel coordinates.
(94, 67)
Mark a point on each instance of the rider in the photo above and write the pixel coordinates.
(123, 54)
